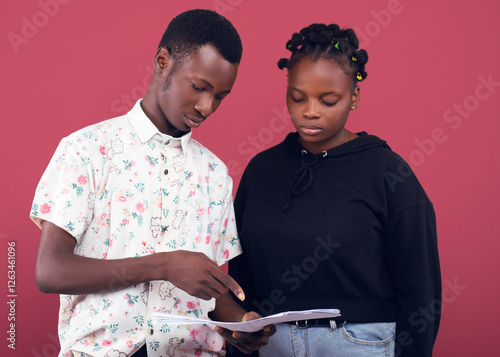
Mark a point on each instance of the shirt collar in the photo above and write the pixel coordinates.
(146, 130)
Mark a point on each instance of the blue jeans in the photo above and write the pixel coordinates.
(352, 339)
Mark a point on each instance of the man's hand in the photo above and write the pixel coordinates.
(58, 270)
(197, 275)
(248, 342)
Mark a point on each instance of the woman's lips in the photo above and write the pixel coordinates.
(310, 129)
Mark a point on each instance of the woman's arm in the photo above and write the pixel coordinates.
(413, 264)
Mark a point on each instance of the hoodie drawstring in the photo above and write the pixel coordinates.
(303, 178)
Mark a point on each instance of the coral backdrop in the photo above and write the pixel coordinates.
(432, 92)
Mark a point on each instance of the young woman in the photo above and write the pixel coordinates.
(330, 218)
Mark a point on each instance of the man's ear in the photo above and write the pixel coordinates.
(162, 59)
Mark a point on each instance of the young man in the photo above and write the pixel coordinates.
(136, 215)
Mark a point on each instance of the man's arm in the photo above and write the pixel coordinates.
(59, 270)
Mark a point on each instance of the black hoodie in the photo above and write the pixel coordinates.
(350, 228)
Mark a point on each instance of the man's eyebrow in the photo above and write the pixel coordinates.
(211, 86)
(205, 81)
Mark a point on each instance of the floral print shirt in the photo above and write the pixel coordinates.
(123, 189)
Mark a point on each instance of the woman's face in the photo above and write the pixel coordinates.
(319, 98)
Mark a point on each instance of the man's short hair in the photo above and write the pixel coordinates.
(193, 29)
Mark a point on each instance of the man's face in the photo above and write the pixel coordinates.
(194, 89)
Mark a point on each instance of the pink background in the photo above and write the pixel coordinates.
(432, 92)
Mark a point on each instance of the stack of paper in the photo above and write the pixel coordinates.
(253, 325)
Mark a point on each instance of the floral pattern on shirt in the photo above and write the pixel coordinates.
(122, 189)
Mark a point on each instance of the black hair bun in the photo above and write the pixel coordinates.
(283, 63)
(328, 41)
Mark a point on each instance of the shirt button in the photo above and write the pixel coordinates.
(165, 172)
(151, 332)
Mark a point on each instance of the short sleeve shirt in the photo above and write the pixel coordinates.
(123, 189)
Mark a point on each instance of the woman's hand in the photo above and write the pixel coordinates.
(248, 342)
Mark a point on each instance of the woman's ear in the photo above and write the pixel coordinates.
(355, 97)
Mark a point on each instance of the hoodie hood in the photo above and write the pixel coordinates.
(304, 176)
(361, 143)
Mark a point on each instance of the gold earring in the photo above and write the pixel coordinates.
(353, 107)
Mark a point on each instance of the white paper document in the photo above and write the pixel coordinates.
(253, 325)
